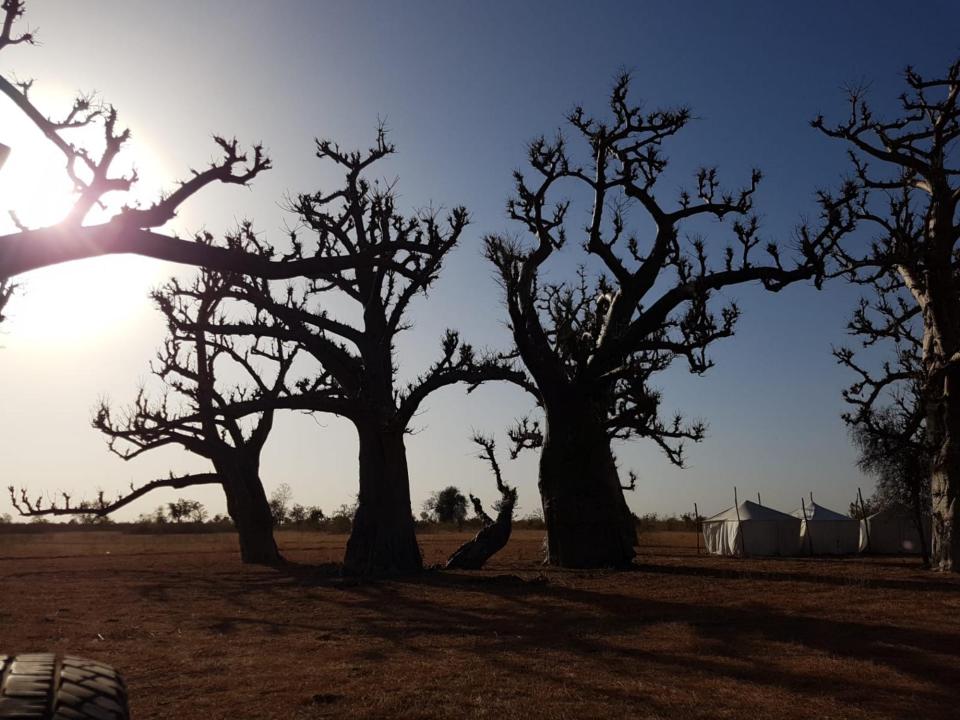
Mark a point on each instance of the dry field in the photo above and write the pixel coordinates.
(200, 636)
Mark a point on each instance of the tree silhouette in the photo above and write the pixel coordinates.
(900, 462)
(907, 168)
(448, 505)
(888, 415)
(184, 510)
(495, 533)
(133, 229)
(280, 504)
(189, 364)
(358, 379)
(6, 292)
(593, 348)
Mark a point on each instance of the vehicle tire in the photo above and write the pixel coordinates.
(44, 686)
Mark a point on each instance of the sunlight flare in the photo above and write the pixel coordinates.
(82, 301)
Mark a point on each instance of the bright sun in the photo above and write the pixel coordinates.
(75, 302)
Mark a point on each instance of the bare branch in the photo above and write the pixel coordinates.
(102, 507)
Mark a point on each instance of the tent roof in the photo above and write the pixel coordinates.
(750, 511)
(818, 513)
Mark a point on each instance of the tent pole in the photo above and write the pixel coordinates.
(806, 524)
(863, 511)
(696, 521)
(736, 504)
(759, 502)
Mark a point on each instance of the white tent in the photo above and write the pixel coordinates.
(892, 531)
(825, 532)
(752, 529)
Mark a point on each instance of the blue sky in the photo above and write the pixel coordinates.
(463, 86)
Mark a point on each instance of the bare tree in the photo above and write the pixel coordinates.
(495, 533)
(888, 410)
(280, 500)
(193, 413)
(908, 169)
(593, 348)
(133, 229)
(359, 374)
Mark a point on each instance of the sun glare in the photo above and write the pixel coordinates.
(33, 183)
(78, 301)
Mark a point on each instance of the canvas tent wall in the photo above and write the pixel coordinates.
(754, 530)
(892, 531)
(825, 532)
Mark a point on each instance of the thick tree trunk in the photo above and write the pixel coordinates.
(918, 515)
(588, 522)
(945, 477)
(383, 540)
(941, 345)
(491, 539)
(249, 509)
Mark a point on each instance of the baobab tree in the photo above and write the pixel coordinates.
(359, 374)
(593, 348)
(91, 168)
(193, 413)
(888, 411)
(908, 168)
(494, 533)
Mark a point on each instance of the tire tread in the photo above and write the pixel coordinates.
(45, 686)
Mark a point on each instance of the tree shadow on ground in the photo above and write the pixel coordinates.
(596, 620)
(738, 573)
(507, 617)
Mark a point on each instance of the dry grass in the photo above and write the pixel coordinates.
(200, 636)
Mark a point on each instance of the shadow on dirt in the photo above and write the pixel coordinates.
(734, 573)
(509, 617)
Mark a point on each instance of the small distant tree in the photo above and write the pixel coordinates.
(5, 519)
(531, 521)
(156, 517)
(448, 506)
(183, 510)
(341, 521)
(298, 514)
(175, 511)
(315, 515)
(198, 513)
(280, 504)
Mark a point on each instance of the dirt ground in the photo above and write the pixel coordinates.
(683, 636)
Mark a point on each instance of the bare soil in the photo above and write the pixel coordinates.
(682, 636)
